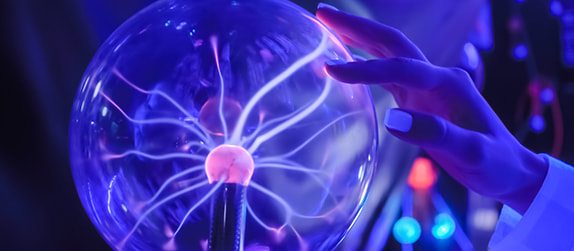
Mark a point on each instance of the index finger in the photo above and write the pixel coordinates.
(375, 38)
(404, 72)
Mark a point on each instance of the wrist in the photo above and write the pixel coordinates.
(532, 172)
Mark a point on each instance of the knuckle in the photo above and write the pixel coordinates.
(397, 34)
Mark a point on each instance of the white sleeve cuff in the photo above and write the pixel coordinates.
(548, 224)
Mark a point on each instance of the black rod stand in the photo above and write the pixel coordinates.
(228, 218)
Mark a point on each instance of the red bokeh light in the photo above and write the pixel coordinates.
(422, 175)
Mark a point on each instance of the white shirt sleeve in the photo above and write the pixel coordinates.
(548, 224)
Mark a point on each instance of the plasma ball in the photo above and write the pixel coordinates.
(232, 164)
(164, 145)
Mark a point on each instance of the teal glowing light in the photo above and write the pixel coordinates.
(407, 230)
(444, 226)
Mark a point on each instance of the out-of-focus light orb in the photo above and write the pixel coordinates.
(422, 175)
(520, 52)
(537, 123)
(556, 8)
(485, 219)
(515, 24)
(407, 230)
(520, 1)
(188, 89)
(547, 95)
(444, 226)
(472, 56)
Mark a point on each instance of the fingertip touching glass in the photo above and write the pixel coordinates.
(212, 125)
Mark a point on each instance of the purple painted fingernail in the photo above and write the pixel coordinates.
(398, 120)
(335, 62)
(328, 6)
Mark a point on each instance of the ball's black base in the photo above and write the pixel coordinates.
(228, 218)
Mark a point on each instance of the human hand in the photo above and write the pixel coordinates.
(439, 110)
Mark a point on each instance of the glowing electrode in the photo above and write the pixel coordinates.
(232, 164)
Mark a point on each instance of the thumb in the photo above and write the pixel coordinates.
(435, 133)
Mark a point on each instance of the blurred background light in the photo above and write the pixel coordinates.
(556, 8)
(537, 123)
(547, 95)
(422, 175)
(444, 226)
(407, 230)
(520, 52)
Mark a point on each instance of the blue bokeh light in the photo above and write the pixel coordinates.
(444, 226)
(520, 52)
(537, 123)
(556, 8)
(547, 95)
(407, 230)
(473, 58)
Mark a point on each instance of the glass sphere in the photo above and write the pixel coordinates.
(189, 103)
